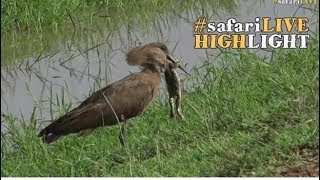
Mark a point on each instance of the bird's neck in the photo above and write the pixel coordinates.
(154, 75)
(152, 69)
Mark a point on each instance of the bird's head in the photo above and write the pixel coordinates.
(150, 55)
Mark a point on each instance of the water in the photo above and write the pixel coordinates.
(74, 63)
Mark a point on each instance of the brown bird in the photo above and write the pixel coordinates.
(172, 80)
(117, 102)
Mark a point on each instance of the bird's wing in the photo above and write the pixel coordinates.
(110, 89)
(128, 96)
(76, 120)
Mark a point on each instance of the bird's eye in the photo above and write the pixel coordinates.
(163, 47)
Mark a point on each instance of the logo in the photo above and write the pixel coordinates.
(295, 1)
(287, 32)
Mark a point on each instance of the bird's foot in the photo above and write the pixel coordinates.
(177, 63)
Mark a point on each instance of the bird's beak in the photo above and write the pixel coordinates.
(170, 58)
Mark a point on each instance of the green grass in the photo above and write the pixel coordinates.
(34, 15)
(246, 120)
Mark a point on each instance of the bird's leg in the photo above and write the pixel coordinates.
(171, 103)
(178, 105)
(122, 135)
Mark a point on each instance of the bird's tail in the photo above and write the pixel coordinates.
(76, 120)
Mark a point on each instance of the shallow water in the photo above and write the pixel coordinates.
(75, 67)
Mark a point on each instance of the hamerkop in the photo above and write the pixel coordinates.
(172, 80)
(117, 102)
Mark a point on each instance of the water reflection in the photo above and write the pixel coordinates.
(66, 67)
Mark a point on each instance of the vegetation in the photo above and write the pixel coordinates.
(246, 119)
(36, 15)
(30, 28)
